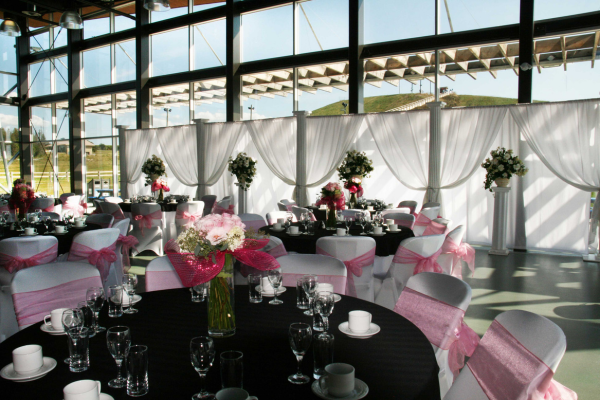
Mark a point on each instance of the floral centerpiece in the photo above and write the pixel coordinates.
(501, 167)
(355, 167)
(332, 196)
(154, 168)
(205, 252)
(160, 185)
(243, 167)
(21, 198)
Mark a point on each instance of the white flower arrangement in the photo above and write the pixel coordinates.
(153, 166)
(355, 164)
(503, 164)
(244, 169)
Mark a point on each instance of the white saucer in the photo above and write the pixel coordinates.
(79, 227)
(57, 233)
(278, 230)
(9, 373)
(373, 330)
(49, 329)
(295, 234)
(104, 396)
(173, 202)
(396, 231)
(336, 297)
(360, 390)
(377, 234)
(33, 234)
(271, 293)
(136, 299)
(335, 234)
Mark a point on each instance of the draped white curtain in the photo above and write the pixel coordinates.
(179, 144)
(565, 136)
(220, 140)
(138, 146)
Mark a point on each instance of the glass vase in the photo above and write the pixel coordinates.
(221, 298)
(161, 196)
(331, 222)
(353, 200)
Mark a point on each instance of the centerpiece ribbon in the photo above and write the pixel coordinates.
(435, 228)
(194, 270)
(102, 258)
(424, 264)
(16, 263)
(146, 220)
(462, 251)
(127, 243)
(191, 217)
(442, 324)
(505, 369)
(354, 267)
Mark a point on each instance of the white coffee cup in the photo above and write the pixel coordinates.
(55, 319)
(27, 359)
(277, 226)
(281, 221)
(294, 230)
(377, 230)
(82, 390)
(325, 287)
(338, 380)
(359, 321)
(79, 223)
(322, 207)
(389, 222)
(393, 227)
(233, 394)
(126, 201)
(341, 232)
(35, 219)
(370, 208)
(266, 285)
(30, 231)
(59, 229)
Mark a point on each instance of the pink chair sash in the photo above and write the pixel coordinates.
(72, 205)
(31, 307)
(102, 258)
(191, 218)
(354, 268)
(16, 263)
(462, 251)
(424, 264)
(338, 282)
(127, 243)
(118, 214)
(422, 220)
(435, 228)
(49, 209)
(505, 369)
(442, 324)
(162, 280)
(146, 220)
(217, 209)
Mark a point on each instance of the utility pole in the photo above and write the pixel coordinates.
(167, 110)
(251, 108)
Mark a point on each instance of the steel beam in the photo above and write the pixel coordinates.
(356, 97)
(233, 90)
(142, 67)
(526, 51)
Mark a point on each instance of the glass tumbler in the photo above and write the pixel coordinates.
(301, 296)
(254, 281)
(137, 371)
(322, 352)
(79, 349)
(232, 369)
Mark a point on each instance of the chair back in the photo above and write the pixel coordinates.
(122, 225)
(288, 202)
(112, 199)
(446, 259)
(430, 205)
(298, 211)
(65, 196)
(438, 226)
(328, 269)
(97, 239)
(161, 275)
(25, 248)
(53, 216)
(411, 204)
(402, 219)
(283, 207)
(399, 210)
(72, 203)
(146, 209)
(104, 220)
(273, 216)
(44, 204)
(445, 288)
(209, 202)
(112, 209)
(424, 218)
(253, 221)
(187, 213)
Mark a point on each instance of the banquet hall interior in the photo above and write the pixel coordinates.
(435, 163)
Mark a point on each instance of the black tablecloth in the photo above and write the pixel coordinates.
(126, 207)
(321, 215)
(397, 363)
(307, 244)
(64, 239)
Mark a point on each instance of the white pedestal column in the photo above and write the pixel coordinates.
(242, 201)
(500, 221)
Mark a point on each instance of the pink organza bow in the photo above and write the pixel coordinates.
(435, 228)
(422, 220)
(464, 344)
(146, 220)
(16, 263)
(462, 251)
(191, 217)
(354, 268)
(505, 369)
(127, 243)
(194, 270)
(102, 258)
(217, 209)
(118, 214)
(424, 264)
(73, 205)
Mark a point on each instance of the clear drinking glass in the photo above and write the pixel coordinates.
(362, 221)
(348, 222)
(87, 310)
(322, 353)
(46, 221)
(311, 227)
(301, 297)
(6, 216)
(300, 336)
(310, 285)
(232, 369)
(71, 318)
(275, 280)
(118, 340)
(115, 301)
(202, 354)
(255, 296)
(96, 294)
(79, 349)
(129, 283)
(199, 292)
(324, 303)
(137, 371)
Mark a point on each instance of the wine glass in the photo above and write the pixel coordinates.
(46, 222)
(118, 340)
(71, 318)
(324, 303)
(86, 308)
(67, 215)
(6, 216)
(300, 336)
(38, 213)
(202, 354)
(96, 294)
(310, 284)
(362, 220)
(275, 280)
(348, 222)
(288, 221)
(303, 220)
(129, 283)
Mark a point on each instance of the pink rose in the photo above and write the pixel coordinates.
(217, 235)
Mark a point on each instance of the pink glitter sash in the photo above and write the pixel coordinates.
(505, 369)
(463, 252)
(146, 220)
(354, 268)
(435, 228)
(441, 323)
(31, 307)
(424, 264)
(102, 258)
(191, 218)
(16, 263)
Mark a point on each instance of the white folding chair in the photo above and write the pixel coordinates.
(161, 275)
(430, 205)
(222, 205)
(23, 247)
(111, 199)
(361, 250)
(209, 201)
(411, 204)
(537, 334)
(253, 221)
(288, 202)
(354, 214)
(112, 209)
(187, 213)
(446, 260)
(148, 229)
(328, 269)
(104, 220)
(273, 216)
(424, 218)
(402, 219)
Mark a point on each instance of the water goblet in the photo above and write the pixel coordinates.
(71, 318)
(288, 221)
(67, 216)
(46, 222)
(96, 295)
(300, 336)
(202, 354)
(324, 303)
(275, 280)
(38, 213)
(348, 222)
(118, 340)
(87, 310)
(310, 285)
(6, 216)
(362, 220)
(129, 283)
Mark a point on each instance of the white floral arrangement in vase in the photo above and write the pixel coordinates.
(244, 169)
(501, 167)
(154, 168)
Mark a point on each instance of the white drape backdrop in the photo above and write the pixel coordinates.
(140, 144)
(221, 139)
(179, 144)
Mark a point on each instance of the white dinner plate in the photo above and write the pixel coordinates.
(104, 396)
(9, 373)
(360, 390)
(373, 330)
(49, 329)
(33, 234)
(278, 230)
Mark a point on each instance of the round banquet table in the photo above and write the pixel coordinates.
(307, 244)
(165, 206)
(397, 363)
(64, 239)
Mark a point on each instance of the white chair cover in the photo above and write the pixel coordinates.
(272, 217)
(438, 226)
(187, 213)
(53, 216)
(329, 270)
(115, 276)
(350, 248)
(283, 207)
(115, 200)
(288, 202)
(402, 219)
(150, 238)
(97, 240)
(71, 202)
(398, 210)
(430, 205)
(446, 259)
(298, 211)
(104, 220)
(112, 209)
(253, 221)
(411, 204)
(209, 202)
(354, 214)
(427, 214)
(161, 275)
(44, 204)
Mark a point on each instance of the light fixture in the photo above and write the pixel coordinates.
(71, 20)
(10, 28)
(157, 5)
(525, 66)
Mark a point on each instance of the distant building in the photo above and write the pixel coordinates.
(63, 146)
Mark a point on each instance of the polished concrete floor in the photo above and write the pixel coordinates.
(560, 287)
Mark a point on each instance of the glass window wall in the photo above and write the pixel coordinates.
(171, 105)
(96, 67)
(268, 34)
(323, 25)
(9, 129)
(209, 44)
(170, 52)
(323, 89)
(209, 100)
(268, 94)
